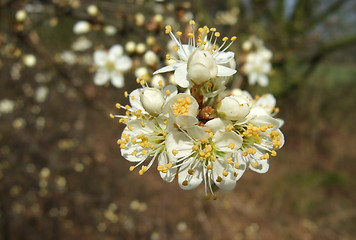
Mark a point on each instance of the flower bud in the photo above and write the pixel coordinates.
(234, 108)
(81, 27)
(152, 100)
(150, 58)
(201, 67)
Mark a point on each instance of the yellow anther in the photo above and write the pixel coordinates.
(215, 197)
(127, 107)
(207, 130)
(270, 125)
(217, 34)
(273, 153)
(237, 165)
(138, 80)
(134, 153)
(233, 38)
(132, 168)
(168, 29)
(130, 127)
(225, 173)
(126, 94)
(142, 82)
(143, 124)
(181, 106)
(211, 135)
(213, 158)
(168, 57)
(132, 97)
(229, 128)
(118, 105)
(231, 146)
(219, 179)
(191, 35)
(168, 92)
(141, 172)
(203, 141)
(229, 160)
(159, 167)
(207, 196)
(202, 154)
(235, 174)
(191, 22)
(112, 115)
(175, 48)
(263, 128)
(144, 152)
(212, 29)
(191, 171)
(225, 39)
(244, 154)
(133, 141)
(254, 164)
(174, 152)
(266, 156)
(185, 183)
(209, 167)
(276, 110)
(195, 148)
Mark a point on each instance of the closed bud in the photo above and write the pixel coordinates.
(234, 108)
(152, 100)
(201, 67)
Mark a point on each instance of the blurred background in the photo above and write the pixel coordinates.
(61, 172)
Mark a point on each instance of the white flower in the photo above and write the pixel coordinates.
(111, 66)
(150, 58)
(203, 155)
(81, 44)
(92, 10)
(152, 100)
(257, 68)
(29, 60)
(21, 15)
(130, 47)
(185, 51)
(110, 30)
(6, 106)
(81, 27)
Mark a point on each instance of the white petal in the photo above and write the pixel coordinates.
(224, 139)
(186, 122)
(115, 52)
(224, 57)
(252, 78)
(172, 91)
(263, 80)
(100, 58)
(135, 101)
(181, 76)
(217, 124)
(163, 159)
(180, 142)
(193, 180)
(225, 71)
(228, 182)
(267, 101)
(123, 63)
(117, 79)
(262, 167)
(168, 68)
(101, 77)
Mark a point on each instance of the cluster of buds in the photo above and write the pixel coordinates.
(206, 134)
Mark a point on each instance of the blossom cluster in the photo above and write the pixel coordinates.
(205, 134)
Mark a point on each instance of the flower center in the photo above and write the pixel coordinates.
(181, 106)
(110, 66)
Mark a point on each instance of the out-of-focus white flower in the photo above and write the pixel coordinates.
(68, 57)
(110, 30)
(130, 47)
(81, 27)
(150, 58)
(41, 94)
(257, 67)
(92, 10)
(142, 72)
(21, 15)
(29, 60)
(111, 66)
(204, 42)
(158, 81)
(140, 48)
(6, 106)
(139, 19)
(82, 44)
(247, 45)
(150, 40)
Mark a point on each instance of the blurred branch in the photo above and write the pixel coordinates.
(330, 10)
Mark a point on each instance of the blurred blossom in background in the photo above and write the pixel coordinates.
(64, 65)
